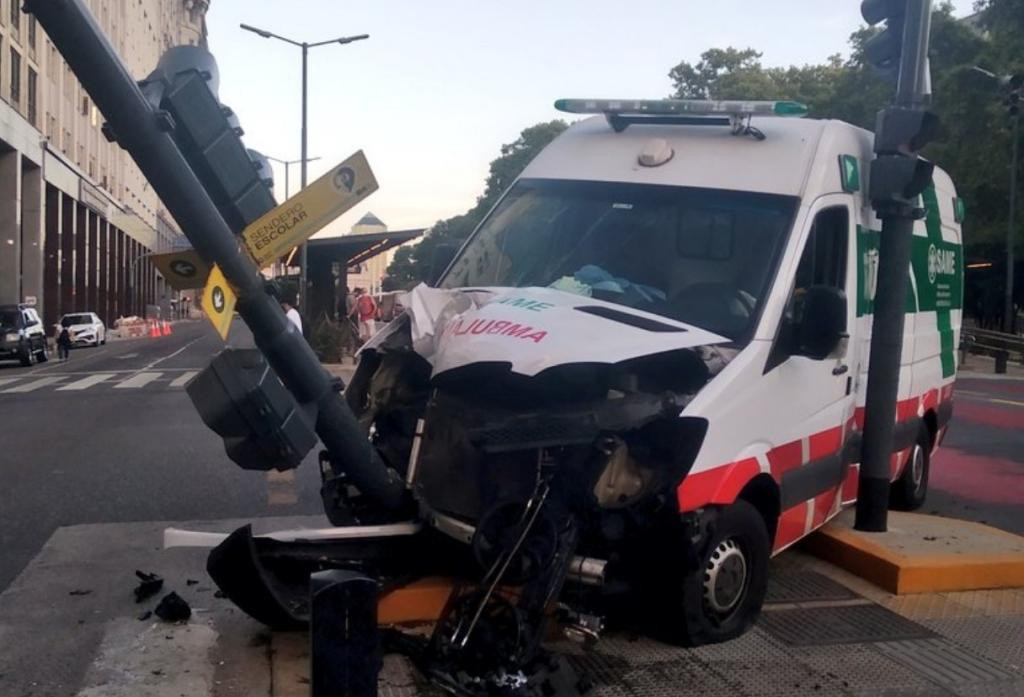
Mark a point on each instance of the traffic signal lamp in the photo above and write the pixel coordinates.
(183, 92)
(883, 50)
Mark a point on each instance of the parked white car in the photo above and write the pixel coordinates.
(86, 328)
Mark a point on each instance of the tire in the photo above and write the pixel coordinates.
(721, 597)
(43, 355)
(909, 491)
(28, 358)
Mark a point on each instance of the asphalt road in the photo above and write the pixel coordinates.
(111, 436)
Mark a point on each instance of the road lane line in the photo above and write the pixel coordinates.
(161, 360)
(8, 381)
(183, 378)
(136, 381)
(281, 488)
(86, 382)
(34, 385)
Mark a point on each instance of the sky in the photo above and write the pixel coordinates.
(440, 85)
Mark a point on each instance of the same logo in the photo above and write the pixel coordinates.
(940, 262)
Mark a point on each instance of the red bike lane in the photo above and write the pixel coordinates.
(978, 473)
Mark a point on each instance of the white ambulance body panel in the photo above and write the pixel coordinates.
(795, 423)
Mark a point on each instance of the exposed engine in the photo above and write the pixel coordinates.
(564, 476)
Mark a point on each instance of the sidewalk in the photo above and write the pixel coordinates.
(977, 366)
(68, 626)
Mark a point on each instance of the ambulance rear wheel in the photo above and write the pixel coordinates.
(722, 597)
(909, 491)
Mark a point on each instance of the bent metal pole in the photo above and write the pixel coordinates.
(81, 41)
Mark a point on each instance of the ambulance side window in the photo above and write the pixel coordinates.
(823, 263)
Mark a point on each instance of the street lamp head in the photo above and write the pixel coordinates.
(350, 39)
(262, 32)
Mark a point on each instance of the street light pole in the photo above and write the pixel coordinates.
(287, 168)
(1009, 314)
(305, 46)
(302, 249)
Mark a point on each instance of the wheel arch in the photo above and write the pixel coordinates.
(762, 492)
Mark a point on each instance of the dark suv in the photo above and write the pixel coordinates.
(21, 334)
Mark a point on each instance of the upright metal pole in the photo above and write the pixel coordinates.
(287, 167)
(304, 153)
(896, 206)
(1009, 314)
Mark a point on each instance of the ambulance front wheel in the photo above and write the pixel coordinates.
(909, 491)
(722, 597)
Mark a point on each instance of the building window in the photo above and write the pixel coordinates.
(15, 17)
(31, 29)
(32, 79)
(92, 168)
(51, 126)
(85, 106)
(94, 116)
(81, 155)
(15, 77)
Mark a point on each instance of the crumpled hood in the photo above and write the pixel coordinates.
(533, 329)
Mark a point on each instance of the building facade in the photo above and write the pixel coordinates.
(369, 274)
(76, 215)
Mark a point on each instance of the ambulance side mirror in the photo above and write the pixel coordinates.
(822, 325)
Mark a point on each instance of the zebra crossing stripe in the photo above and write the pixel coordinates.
(86, 382)
(136, 381)
(8, 381)
(34, 385)
(183, 378)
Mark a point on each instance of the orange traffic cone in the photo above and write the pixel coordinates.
(154, 331)
(167, 328)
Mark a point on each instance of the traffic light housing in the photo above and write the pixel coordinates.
(883, 51)
(183, 91)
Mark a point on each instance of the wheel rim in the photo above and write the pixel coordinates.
(917, 467)
(725, 578)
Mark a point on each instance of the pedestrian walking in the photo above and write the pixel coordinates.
(366, 312)
(64, 344)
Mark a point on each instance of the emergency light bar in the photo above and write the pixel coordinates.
(681, 107)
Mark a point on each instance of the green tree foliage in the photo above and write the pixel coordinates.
(975, 143)
(414, 263)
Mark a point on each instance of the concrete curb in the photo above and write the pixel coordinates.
(977, 557)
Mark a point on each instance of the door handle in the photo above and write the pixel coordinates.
(840, 370)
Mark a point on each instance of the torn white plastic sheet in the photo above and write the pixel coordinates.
(176, 537)
(532, 329)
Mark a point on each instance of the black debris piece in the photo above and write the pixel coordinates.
(145, 615)
(149, 585)
(190, 582)
(79, 591)
(173, 608)
(219, 594)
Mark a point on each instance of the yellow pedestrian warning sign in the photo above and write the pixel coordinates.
(219, 302)
(307, 212)
(183, 269)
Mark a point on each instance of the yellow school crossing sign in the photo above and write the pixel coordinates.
(305, 213)
(219, 302)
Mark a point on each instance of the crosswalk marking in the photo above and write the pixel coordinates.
(138, 380)
(7, 381)
(34, 385)
(86, 382)
(183, 378)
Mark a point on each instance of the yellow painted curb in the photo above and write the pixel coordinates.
(918, 573)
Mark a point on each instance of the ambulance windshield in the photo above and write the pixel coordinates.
(702, 256)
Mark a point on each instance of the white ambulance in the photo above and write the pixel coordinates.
(712, 261)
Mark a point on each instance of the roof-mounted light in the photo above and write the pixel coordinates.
(681, 107)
